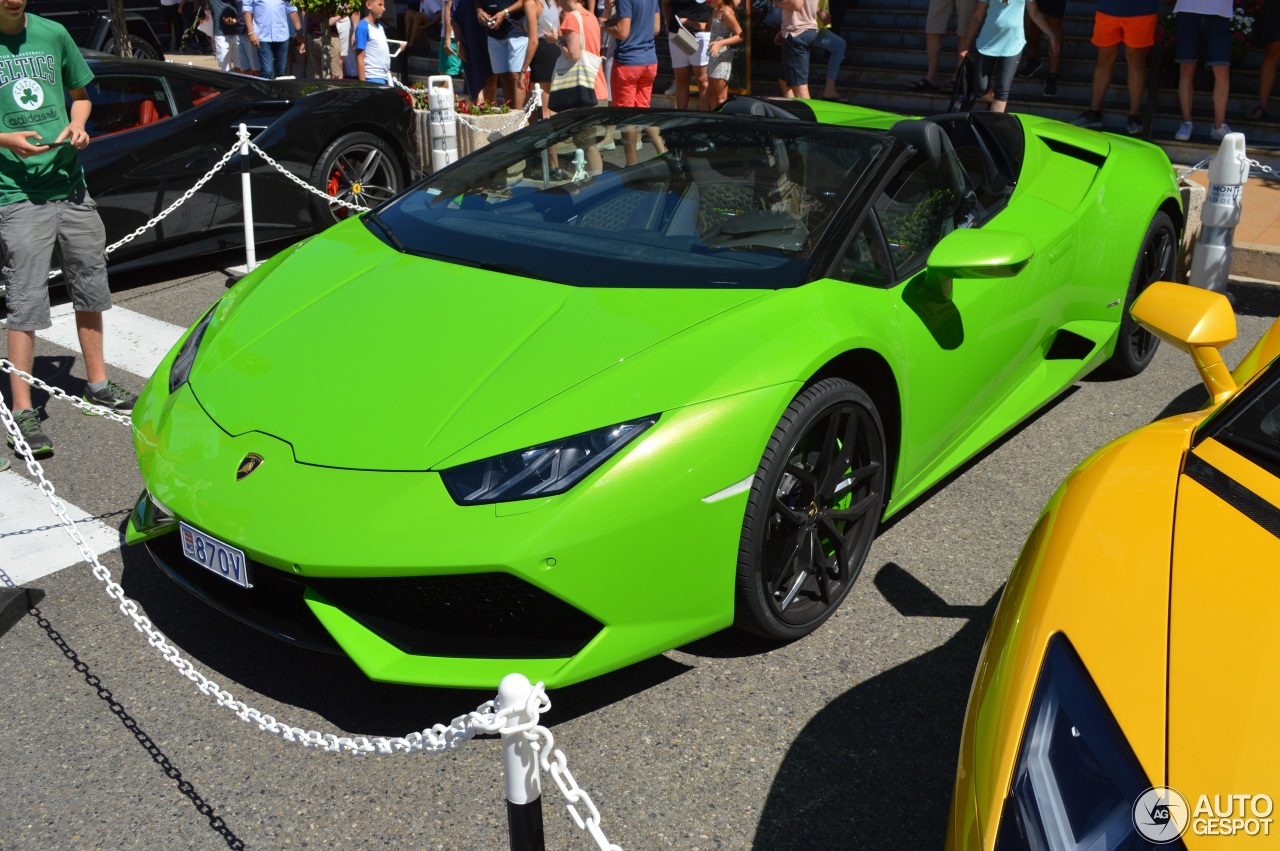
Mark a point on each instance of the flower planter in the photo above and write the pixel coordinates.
(473, 132)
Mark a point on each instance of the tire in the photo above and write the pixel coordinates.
(142, 49)
(815, 504)
(1135, 345)
(359, 168)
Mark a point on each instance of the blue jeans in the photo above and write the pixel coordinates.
(273, 57)
(834, 46)
(795, 57)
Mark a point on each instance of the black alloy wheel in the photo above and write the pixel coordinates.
(142, 49)
(814, 508)
(358, 168)
(1157, 261)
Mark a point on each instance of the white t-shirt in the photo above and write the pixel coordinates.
(372, 39)
(1221, 8)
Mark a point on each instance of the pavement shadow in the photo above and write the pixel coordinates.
(249, 663)
(874, 769)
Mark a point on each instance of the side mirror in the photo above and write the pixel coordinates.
(1199, 322)
(976, 253)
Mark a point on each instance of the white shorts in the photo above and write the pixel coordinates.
(680, 59)
(506, 55)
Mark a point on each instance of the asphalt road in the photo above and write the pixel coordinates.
(846, 739)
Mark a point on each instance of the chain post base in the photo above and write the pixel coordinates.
(14, 603)
(524, 823)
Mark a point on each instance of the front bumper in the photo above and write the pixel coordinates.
(386, 568)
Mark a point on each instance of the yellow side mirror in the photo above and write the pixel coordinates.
(1197, 321)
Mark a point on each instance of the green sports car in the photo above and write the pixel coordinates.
(569, 403)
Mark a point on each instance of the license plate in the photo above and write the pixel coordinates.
(212, 554)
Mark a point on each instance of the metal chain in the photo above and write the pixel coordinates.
(1265, 169)
(186, 196)
(87, 407)
(307, 186)
(1197, 167)
(518, 120)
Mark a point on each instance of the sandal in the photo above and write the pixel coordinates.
(923, 85)
(1258, 114)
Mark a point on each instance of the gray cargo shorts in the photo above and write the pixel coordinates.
(29, 232)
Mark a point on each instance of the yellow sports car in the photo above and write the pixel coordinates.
(1125, 697)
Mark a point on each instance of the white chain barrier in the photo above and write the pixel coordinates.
(438, 738)
(519, 118)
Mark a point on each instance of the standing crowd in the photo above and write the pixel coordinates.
(513, 44)
(1005, 36)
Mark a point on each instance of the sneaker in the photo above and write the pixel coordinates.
(1090, 118)
(1030, 67)
(112, 396)
(1134, 125)
(1217, 133)
(28, 421)
(1051, 86)
(1184, 132)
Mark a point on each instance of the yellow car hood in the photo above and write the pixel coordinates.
(1223, 626)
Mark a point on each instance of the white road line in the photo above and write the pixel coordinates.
(33, 542)
(131, 341)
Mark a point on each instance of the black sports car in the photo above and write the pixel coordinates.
(157, 127)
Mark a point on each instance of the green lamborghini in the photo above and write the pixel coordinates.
(567, 404)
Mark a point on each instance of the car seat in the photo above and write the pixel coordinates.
(147, 113)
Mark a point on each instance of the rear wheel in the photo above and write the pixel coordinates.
(814, 508)
(142, 49)
(358, 168)
(1135, 345)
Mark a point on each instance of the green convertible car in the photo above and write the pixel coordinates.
(569, 403)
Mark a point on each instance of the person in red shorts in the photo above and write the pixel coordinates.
(635, 64)
(1133, 24)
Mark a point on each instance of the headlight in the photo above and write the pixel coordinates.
(539, 471)
(1077, 779)
(181, 368)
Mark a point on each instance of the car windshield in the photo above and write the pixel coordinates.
(620, 198)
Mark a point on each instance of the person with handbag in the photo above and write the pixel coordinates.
(689, 57)
(581, 65)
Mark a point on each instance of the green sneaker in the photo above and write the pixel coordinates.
(28, 421)
(112, 396)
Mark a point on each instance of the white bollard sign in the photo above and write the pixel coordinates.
(1228, 171)
(443, 123)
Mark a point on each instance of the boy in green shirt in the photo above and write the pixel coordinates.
(44, 201)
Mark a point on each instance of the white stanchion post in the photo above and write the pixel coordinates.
(520, 768)
(250, 250)
(442, 125)
(1228, 171)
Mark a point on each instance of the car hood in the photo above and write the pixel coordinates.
(362, 357)
(1224, 628)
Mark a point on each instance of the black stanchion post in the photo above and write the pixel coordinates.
(520, 769)
(14, 603)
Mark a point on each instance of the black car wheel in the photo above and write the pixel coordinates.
(142, 49)
(358, 168)
(1136, 346)
(815, 505)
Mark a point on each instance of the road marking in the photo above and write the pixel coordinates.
(131, 341)
(33, 542)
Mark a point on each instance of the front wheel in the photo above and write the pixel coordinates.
(1135, 345)
(358, 168)
(814, 508)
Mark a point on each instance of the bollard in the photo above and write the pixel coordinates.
(1228, 171)
(443, 124)
(250, 251)
(520, 768)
